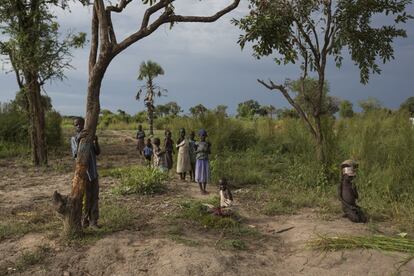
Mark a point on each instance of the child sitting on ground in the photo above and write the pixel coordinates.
(159, 156)
(226, 198)
(148, 151)
(226, 201)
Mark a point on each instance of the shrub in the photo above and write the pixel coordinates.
(54, 135)
(139, 180)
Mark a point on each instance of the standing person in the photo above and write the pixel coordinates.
(169, 149)
(192, 148)
(183, 158)
(348, 194)
(140, 137)
(148, 151)
(91, 214)
(202, 170)
(159, 156)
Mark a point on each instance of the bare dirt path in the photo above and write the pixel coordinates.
(143, 249)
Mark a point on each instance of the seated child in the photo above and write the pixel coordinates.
(159, 156)
(148, 151)
(226, 201)
(348, 193)
(226, 198)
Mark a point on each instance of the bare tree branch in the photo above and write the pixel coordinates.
(150, 11)
(119, 7)
(285, 93)
(94, 40)
(180, 18)
(167, 16)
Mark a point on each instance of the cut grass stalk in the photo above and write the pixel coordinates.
(366, 242)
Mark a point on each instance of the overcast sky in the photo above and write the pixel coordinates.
(204, 64)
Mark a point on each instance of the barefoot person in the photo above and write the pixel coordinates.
(192, 149)
(148, 151)
(183, 158)
(202, 170)
(348, 193)
(159, 156)
(140, 140)
(169, 149)
(91, 209)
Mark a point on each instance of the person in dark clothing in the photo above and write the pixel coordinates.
(348, 193)
(140, 137)
(192, 149)
(91, 208)
(169, 149)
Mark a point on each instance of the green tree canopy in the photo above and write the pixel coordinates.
(370, 104)
(248, 109)
(345, 109)
(198, 110)
(408, 105)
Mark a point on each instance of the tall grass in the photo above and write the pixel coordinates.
(281, 153)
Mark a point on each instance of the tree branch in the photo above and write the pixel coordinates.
(94, 40)
(118, 7)
(180, 18)
(283, 90)
(309, 42)
(151, 10)
(167, 16)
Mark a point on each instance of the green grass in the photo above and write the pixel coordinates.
(8, 149)
(30, 258)
(398, 244)
(36, 221)
(114, 217)
(138, 180)
(230, 233)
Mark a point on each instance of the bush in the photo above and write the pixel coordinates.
(54, 135)
(138, 180)
(14, 127)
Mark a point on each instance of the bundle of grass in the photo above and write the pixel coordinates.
(139, 180)
(399, 244)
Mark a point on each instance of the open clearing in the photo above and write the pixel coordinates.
(147, 241)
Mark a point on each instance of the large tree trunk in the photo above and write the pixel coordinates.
(70, 207)
(320, 140)
(37, 121)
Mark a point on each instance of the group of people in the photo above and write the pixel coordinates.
(192, 158)
(192, 155)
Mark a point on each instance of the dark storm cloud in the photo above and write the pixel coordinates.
(203, 64)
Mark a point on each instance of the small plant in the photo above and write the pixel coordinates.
(233, 244)
(29, 258)
(139, 180)
(399, 244)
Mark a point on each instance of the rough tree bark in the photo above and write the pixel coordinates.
(104, 47)
(37, 120)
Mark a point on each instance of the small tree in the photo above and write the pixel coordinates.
(311, 31)
(248, 109)
(370, 104)
(31, 44)
(198, 110)
(149, 71)
(221, 109)
(173, 108)
(408, 105)
(345, 109)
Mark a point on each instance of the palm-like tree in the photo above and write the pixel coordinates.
(148, 71)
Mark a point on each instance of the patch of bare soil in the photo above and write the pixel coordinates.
(147, 250)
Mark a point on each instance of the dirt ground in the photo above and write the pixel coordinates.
(144, 249)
